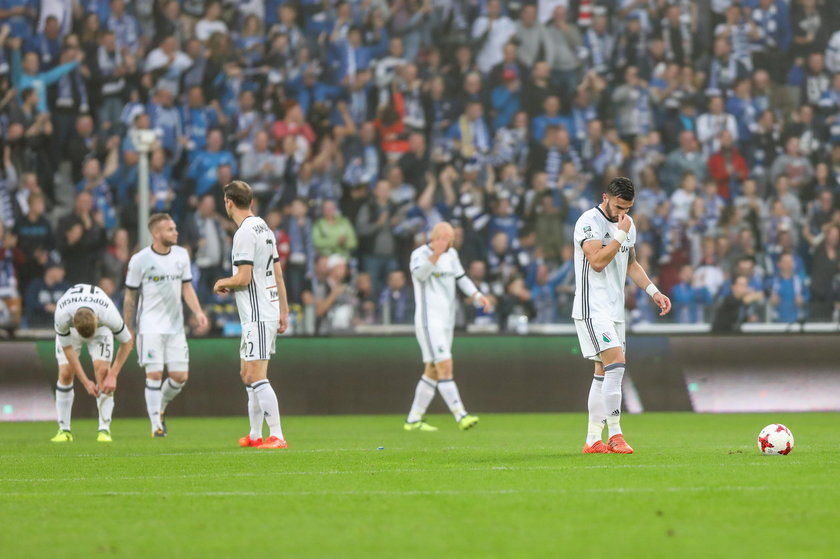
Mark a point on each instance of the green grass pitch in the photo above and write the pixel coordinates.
(516, 486)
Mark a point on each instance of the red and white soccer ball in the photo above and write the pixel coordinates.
(775, 439)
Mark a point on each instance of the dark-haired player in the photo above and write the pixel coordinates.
(257, 284)
(604, 257)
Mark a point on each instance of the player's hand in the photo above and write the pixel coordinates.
(202, 321)
(663, 302)
(484, 302)
(218, 288)
(284, 322)
(91, 388)
(439, 245)
(109, 384)
(624, 223)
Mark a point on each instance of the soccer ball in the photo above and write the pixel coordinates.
(775, 439)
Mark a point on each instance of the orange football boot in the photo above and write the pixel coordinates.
(247, 441)
(598, 447)
(618, 445)
(274, 442)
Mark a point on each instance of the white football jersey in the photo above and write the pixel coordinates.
(91, 297)
(434, 287)
(254, 243)
(159, 279)
(600, 294)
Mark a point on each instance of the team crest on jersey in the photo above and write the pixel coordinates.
(606, 337)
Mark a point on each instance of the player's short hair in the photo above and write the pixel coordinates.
(154, 219)
(622, 187)
(84, 321)
(240, 193)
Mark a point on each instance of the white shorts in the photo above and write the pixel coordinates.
(156, 350)
(435, 343)
(258, 340)
(100, 346)
(597, 334)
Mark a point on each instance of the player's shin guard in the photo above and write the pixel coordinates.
(449, 390)
(255, 415)
(270, 408)
(105, 403)
(613, 374)
(153, 397)
(423, 395)
(168, 391)
(597, 413)
(64, 395)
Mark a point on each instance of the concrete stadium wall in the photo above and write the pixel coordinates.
(495, 374)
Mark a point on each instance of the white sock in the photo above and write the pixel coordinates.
(612, 396)
(597, 415)
(423, 395)
(255, 415)
(153, 395)
(64, 395)
(270, 408)
(449, 390)
(105, 403)
(168, 391)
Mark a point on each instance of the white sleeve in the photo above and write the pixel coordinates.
(134, 277)
(111, 318)
(465, 284)
(63, 321)
(187, 277)
(421, 266)
(587, 229)
(244, 246)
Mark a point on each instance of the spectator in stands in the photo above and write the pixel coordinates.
(491, 32)
(731, 313)
(11, 259)
(689, 299)
(564, 40)
(81, 240)
(727, 167)
(825, 267)
(35, 239)
(333, 233)
(374, 225)
(792, 164)
(396, 301)
(788, 292)
(42, 295)
(687, 158)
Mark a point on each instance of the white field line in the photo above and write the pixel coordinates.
(397, 493)
(261, 474)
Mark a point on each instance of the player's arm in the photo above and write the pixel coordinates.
(119, 327)
(78, 371)
(641, 279)
(129, 308)
(240, 279)
(468, 288)
(281, 297)
(191, 299)
(600, 255)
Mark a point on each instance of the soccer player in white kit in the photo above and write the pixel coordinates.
(158, 277)
(435, 269)
(604, 256)
(85, 315)
(260, 292)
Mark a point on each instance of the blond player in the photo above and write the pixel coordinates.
(604, 257)
(260, 292)
(435, 270)
(85, 315)
(159, 277)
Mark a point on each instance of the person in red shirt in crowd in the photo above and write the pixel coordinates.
(727, 167)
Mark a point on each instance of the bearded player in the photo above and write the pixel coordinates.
(604, 256)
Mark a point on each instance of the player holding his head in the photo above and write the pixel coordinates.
(604, 257)
(435, 269)
(86, 315)
(158, 277)
(260, 292)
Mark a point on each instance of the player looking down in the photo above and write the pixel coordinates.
(435, 269)
(85, 315)
(604, 256)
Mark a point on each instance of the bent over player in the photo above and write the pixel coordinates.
(435, 269)
(260, 292)
(604, 257)
(158, 277)
(86, 315)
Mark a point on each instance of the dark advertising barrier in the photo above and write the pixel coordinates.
(495, 374)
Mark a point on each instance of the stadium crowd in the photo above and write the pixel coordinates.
(363, 123)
